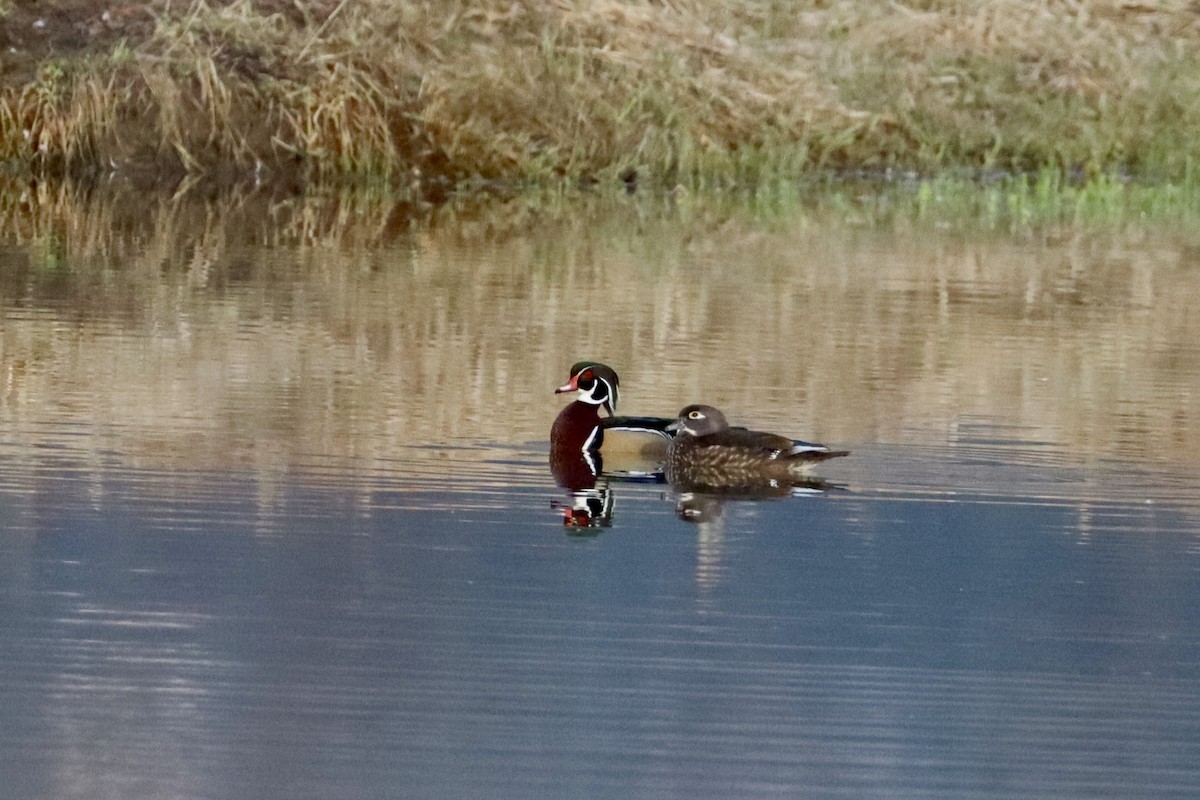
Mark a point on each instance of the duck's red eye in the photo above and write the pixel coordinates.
(586, 375)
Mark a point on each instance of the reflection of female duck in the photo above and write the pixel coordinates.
(707, 452)
(581, 437)
(706, 502)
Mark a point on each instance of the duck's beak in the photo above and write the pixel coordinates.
(572, 386)
(674, 427)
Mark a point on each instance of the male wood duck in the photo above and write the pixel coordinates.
(707, 452)
(579, 432)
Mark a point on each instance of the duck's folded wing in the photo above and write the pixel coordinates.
(768, 444)
(813, 452)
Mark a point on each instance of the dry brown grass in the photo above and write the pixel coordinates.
(699, 91)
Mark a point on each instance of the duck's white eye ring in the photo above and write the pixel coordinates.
(695, 415)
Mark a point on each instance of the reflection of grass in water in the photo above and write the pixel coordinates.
(58, 224)
(257, 328)
(1045, 197)
(707, 93)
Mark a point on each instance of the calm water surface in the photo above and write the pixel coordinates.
(276, 520)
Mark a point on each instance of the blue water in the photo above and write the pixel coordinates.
(165, 635)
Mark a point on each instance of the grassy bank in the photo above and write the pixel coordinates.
(698, 92)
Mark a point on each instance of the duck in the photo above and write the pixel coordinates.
(707, 452)
(579, 431)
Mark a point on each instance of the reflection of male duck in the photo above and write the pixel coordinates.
(588, 509)
(708, 454)
(583, 442)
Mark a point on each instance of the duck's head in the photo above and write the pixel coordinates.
(594, 384)
(699, 420)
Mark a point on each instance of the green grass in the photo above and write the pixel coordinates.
(1047, 198)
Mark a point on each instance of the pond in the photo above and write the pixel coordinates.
(276, 517)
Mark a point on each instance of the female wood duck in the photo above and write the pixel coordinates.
(707, 452)
(579, 432)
